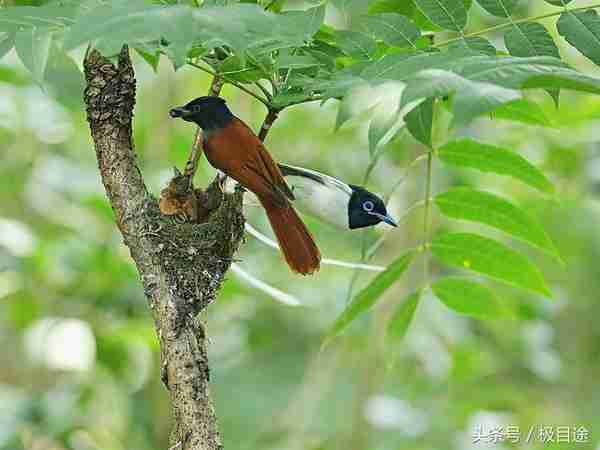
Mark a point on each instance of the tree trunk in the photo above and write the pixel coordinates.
(181, 265)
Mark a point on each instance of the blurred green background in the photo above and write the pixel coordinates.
(79, 367)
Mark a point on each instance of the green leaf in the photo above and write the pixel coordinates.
(350, 107)
(470, 99)
(581, 29)
(419, 122)
(305, 23)
(446, 73)
(33, 47)
(236, 69)
(276, 6)
(511, 72)
(7, 42)
(559, 2)
(366, 298)
(425, 24)
(564, 79)
(506, 71)
(281, 100)
(476, 45)
(393, 29)
(63, 79)
(113, 24)
(392, 66)
(520, 73)
(488, 158)
(382, 121)
(448, 14)
(524, 111)
(530, 39)
(350, 8)
(488, 257)
(345, 112)
(483, 207)
(339, 85)
(152, 58)
(500, 8)
(326, 47)
(243, 27)
(295, 62)
(467, 297)
(392, 6)
(21, 18)
(402, 317)
(356, 45)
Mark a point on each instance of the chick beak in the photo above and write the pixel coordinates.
(385, 218)
(179, 112)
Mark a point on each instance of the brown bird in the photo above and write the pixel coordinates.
(232, 147)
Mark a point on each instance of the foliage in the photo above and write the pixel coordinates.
(302, 59)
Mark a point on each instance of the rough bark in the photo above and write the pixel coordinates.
(181, 265)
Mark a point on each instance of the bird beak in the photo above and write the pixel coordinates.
(385, 218)
(179, 112)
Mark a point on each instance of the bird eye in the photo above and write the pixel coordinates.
(368, 206)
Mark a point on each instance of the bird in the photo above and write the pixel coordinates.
(232, 147)
(346, 206)
(332, 201)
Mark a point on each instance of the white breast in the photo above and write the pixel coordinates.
(327, 202)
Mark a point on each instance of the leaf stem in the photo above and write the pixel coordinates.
(426, 214)
(271, 3)
(407, 213)
(191, 166)
(310, 99)
(404, 176)
(264, 90)
(386, 198)
(241, 87)
(268, 74)
(372, 164)
(363, 237)
(216, 86)
(514, 22)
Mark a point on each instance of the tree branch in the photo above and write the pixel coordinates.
(230, 81)
(181, 266)
(191, 166)
(267, 123)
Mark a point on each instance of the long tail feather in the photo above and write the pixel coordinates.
(295, 241)
(325, 261)
(272, 291)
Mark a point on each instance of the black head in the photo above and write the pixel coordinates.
(366, 209)
(208, 112)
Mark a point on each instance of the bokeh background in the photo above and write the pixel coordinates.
(79, 366)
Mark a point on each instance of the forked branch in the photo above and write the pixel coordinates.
(181, 265)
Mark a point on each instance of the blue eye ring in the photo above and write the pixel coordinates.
(368, 206)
